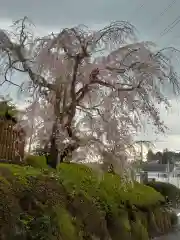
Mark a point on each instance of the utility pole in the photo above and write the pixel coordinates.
(168, 169)
(141, 143)
(141, 151)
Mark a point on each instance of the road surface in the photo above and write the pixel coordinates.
(171, 236)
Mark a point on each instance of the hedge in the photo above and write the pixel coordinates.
(169, 191)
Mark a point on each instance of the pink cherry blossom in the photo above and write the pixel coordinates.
(94, 88)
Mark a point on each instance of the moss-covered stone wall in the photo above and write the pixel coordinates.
(74, 203)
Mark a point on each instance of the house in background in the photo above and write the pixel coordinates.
(155, 171)
(176, 171)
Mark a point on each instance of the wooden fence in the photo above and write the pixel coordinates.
(12, 143)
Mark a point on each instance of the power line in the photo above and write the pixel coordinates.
(175, 37)
(168, 7)
(142, 4)
(170, 27)
(164, 12)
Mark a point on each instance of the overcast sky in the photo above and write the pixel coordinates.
(156, 20)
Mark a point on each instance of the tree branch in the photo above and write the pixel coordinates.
(33, 76)
(72, 108)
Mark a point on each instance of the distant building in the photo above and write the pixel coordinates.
(176, 171)
(156, 170)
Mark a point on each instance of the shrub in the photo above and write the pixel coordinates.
(169, 191)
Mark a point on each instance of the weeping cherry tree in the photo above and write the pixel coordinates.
(94, 87)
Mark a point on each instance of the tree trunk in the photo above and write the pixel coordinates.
(68, 151)
(53, 157)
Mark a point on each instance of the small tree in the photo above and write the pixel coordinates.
(96, 86)
(166, 156)
(158, 156)
(150, 155)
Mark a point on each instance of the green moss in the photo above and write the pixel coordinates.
(138, 194)
(10, 112)
(65, 223)
(36, 161)
(110, 187)
(74, 203)
(139, 231)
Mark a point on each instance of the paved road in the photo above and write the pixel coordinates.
(172, 236)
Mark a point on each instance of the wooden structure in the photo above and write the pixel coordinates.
(12, 141)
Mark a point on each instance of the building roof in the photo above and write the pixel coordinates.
(156, 167)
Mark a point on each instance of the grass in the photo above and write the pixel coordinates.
(75, 203)
(36, 161)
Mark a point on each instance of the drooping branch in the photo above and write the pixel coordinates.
(73, 91)
(36, 78)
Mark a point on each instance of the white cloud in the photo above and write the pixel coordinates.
(171, 139)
